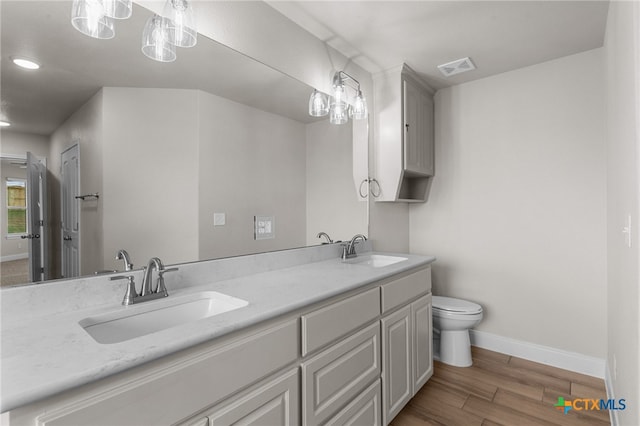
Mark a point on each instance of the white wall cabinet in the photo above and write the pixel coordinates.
(404, 140)
(352, 360)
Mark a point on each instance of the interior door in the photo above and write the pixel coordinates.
(70, 205)
(36, 218)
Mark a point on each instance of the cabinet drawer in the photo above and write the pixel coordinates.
(186, 387)
(363, 411)
(338, 319)
(339, 374)
(276, 402)
(402, 290)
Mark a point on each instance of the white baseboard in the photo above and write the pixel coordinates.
(608, 382)
(14, 257)
(566, 360)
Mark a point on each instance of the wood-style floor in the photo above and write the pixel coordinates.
(502, 390)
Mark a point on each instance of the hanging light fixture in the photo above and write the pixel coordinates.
(155, 40)
(160, 36)
(339, 110)
(181, 23)
(117, 9)
(88, 17)
(318, 104)
(358, 110)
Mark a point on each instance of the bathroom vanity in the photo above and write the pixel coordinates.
(318, 341)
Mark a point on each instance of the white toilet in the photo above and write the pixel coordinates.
(452, 319)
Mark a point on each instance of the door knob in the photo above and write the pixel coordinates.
(30, 236)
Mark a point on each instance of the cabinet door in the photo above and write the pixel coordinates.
(397, 378)
(422, 342)
(418, 135)
(275, 403)
(339, 374)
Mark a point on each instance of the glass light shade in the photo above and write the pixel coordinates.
(318, 104)
(181, 23)
(155, 40)
(88, 17)
(339, 109)
(359, 109)
(117, 9)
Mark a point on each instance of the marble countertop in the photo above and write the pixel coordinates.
(47, 354)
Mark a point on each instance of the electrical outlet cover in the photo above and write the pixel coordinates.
(264, 227)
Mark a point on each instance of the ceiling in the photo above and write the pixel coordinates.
(498, 36)
(75, 67)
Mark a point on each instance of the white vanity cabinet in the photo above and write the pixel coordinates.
(404, 141)
(355, 359)
(407, 361)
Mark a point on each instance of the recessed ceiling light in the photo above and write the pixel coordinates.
(4, 123)
(26, 63)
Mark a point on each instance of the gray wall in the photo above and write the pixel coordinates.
(250, 163)
(516, 214)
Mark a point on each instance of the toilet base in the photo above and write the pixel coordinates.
(455, 348)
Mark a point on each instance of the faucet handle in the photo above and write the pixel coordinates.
(131, 292)
(161, 272)
(161, 288)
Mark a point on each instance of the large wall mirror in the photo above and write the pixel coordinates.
(174, 160)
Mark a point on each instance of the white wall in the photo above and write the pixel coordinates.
(333, 205)
(150, 157)
(516, 214)
(250, 163)
(84, 128)
(17, 143)
(622, 49)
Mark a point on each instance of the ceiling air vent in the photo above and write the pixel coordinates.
(456, 67)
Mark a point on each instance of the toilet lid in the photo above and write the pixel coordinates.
(451, 304)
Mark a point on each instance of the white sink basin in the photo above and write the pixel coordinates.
(153, 316)
(376, 260)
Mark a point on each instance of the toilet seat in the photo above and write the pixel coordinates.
(455, 306)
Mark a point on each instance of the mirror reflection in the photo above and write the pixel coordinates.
(210, 156)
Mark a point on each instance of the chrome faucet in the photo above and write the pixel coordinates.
(324, 234)
(349, 250)
(147, 292)
(123, 255)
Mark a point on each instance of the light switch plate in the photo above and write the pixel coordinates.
(219, 219)
(264, 227)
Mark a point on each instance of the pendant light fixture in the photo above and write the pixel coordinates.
(161, 34)
(155, 40)
(88, 17)
(118, 9)
(338, 108)
(318, 104)
(358, 110)
(181, 23)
